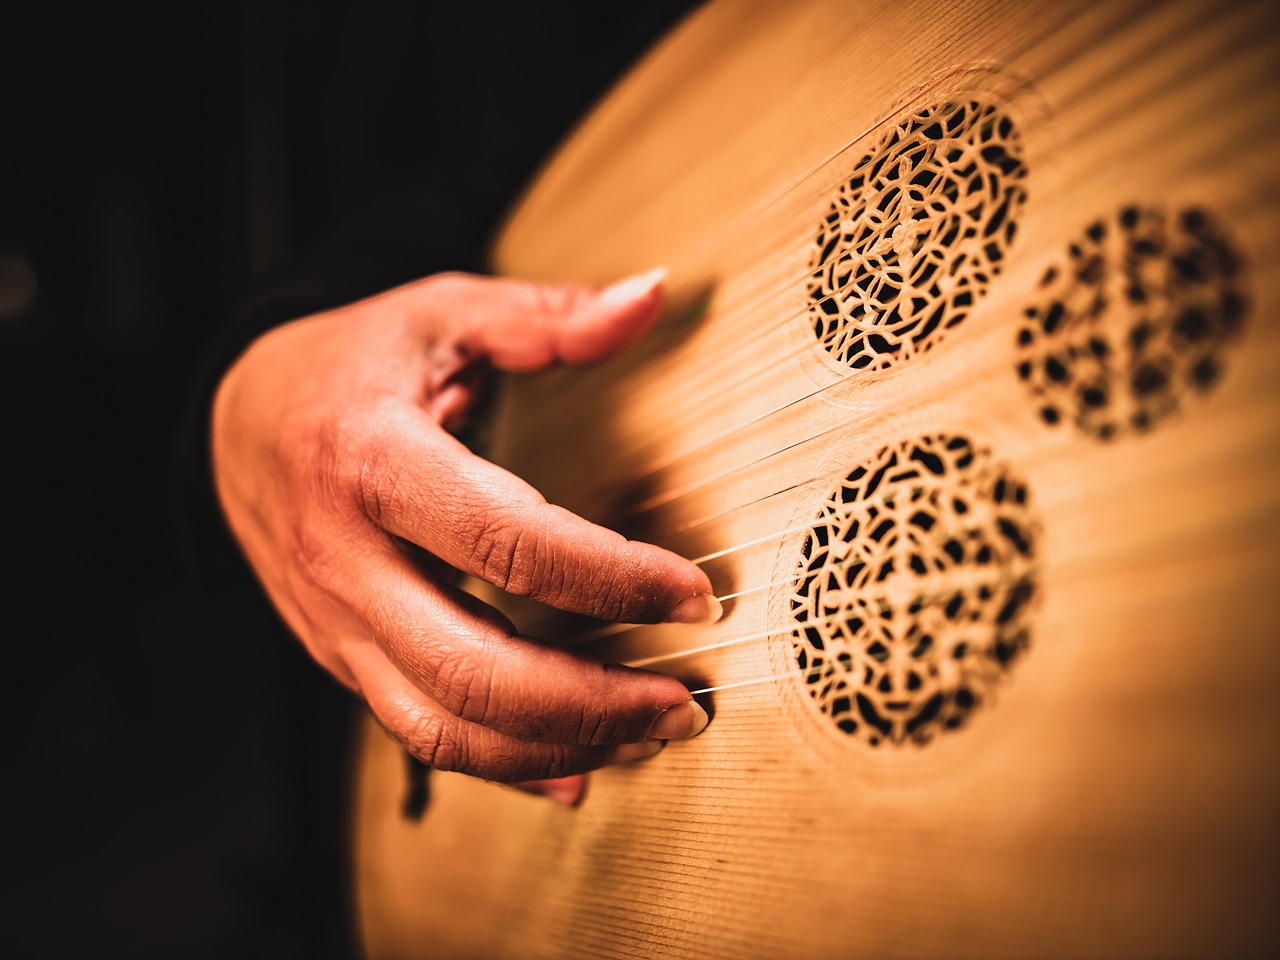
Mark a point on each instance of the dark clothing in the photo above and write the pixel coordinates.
(178, 186)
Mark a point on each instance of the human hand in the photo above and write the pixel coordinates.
(355, 507)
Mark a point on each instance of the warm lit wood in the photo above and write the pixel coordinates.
(1115, 792)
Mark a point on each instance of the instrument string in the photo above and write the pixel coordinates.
(668, 497)
(869, 598)
(672, 494)
(722, 238)
(742, 308)
(610, 630)
(644, 662)
(691, 525)
(1063, 572)
(658, 501)
(675, 422)
(768, 538)
(854, 555)
(813, 675)
(810, 677)
(706, 247)
(675, 493)
(731, 314)
(600, 489)
(882, 605)
(653, 503)
(671, 424)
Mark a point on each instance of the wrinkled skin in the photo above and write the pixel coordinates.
(356, 507)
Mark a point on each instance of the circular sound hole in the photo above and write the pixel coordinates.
(913, 593)
(1137, 317)
(914, 237)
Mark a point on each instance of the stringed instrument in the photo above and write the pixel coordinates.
(968, 401)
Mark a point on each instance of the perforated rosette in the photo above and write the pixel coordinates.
(914, 237)
(1138, 316)
(914, 590)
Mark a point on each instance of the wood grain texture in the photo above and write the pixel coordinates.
(1115, 792)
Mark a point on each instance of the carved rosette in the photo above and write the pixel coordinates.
(1137, 317)
(914, 237)
(914, 589)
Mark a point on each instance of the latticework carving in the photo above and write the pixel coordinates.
(915, 236)
(914, 591)
(1138, 317)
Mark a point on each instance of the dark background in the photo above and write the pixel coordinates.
(175, 770)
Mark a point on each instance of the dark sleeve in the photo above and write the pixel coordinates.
(471, 146)
(437, 227)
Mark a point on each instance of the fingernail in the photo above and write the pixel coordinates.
(566, 793)
(633, 288)
(700, 608)
(628, 752)
(680, 722)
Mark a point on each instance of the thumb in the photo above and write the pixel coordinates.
(523, 326)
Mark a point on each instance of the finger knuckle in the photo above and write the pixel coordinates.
(491, 547)
(437, 745)
(465, 688)
(510, 555)
(373, 474)
(444, 747)
(521, 556)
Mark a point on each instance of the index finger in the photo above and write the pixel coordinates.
(520, 326)
(487, 522)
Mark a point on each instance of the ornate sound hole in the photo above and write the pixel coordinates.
(913, 239)
(1138, 317)
(914, 590)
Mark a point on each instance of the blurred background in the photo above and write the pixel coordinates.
(176, 770)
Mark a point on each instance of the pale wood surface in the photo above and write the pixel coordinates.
(1119, 794)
